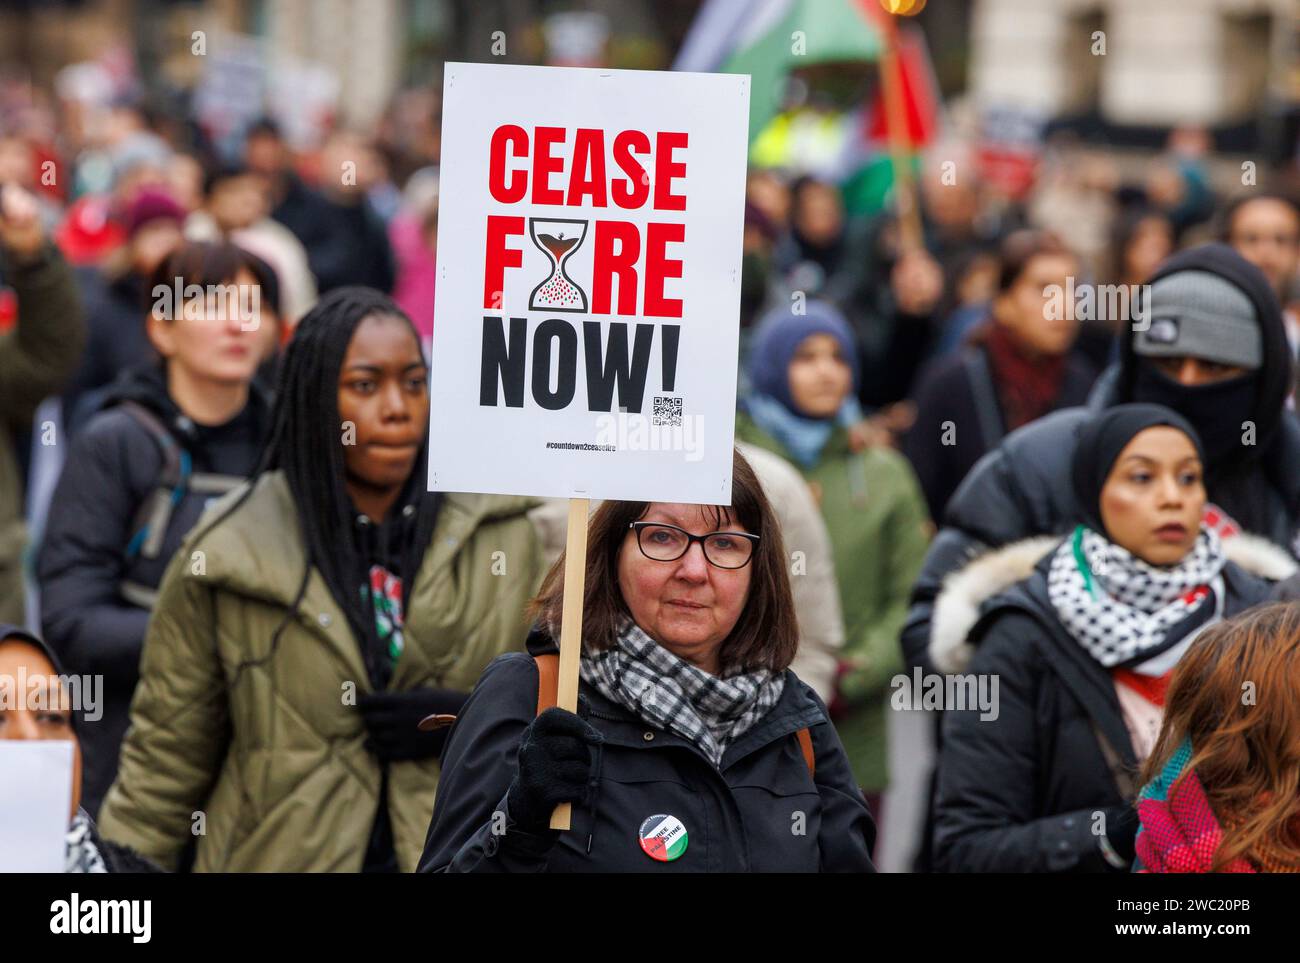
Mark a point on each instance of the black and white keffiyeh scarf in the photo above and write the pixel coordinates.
(670, 693)
(81, 854)
(1120, 608)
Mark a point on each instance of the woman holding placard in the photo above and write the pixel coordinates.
(694, 748)
(314, 618)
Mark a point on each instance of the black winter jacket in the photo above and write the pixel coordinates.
(1020, 793)
(345, 243)
(951, 390)
(1024, 487)
(113, 467)
(764, 812)
(116, 309)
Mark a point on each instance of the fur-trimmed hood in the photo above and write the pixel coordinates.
(959, 603)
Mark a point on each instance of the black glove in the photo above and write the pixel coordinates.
(1121, 831)
(555, 762)
(392, 720)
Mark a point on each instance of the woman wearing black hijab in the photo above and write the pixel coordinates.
(25, 656)
(1040, 776)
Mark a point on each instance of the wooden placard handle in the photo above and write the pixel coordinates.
(575, 582)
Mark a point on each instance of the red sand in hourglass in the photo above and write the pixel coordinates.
(557, 291)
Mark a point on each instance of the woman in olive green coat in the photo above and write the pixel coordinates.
(313, 618)
(803, 372)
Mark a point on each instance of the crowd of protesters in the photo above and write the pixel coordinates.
(300, 644)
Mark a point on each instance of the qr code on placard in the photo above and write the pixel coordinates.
(668, 411)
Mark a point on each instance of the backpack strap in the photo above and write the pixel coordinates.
(154, 513)
(806, 746)
(175, 479)
(988, 411)
(1125, 781)
(137, 594)
(548, 681)
(548, 688)
(213, 483)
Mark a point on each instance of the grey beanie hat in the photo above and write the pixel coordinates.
(1199, 314)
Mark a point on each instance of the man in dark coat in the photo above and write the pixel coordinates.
(345, 239)
(1213, 348)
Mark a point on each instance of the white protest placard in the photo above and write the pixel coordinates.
(587, 307)
(35, 798)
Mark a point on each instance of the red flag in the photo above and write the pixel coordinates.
(920, 94)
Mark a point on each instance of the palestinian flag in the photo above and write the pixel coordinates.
(769, 39)
(663, 837)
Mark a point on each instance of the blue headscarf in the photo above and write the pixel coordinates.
(776, 338)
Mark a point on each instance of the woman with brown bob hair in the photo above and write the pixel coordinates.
(694, 748)
(1223, 784)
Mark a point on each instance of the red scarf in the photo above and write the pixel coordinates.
(1150, 687)
(1027, 387)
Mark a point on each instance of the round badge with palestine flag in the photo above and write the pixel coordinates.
(663, 837)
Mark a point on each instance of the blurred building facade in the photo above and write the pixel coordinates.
(364, 49)
(1136, 62)
(359, 42)
(1122, 63)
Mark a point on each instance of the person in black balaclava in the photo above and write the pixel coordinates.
(1214, 349)
(1210, 344)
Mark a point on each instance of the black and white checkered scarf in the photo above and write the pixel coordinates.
(671, 694)
(1120, 608)
(81, 855)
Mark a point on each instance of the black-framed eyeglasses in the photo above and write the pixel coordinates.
(667, 543)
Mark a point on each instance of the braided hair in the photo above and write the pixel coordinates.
(305, 445)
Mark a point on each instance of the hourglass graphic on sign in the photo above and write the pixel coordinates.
(557, 238)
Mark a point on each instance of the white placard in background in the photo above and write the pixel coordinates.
(587, 307)
(35, 797)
